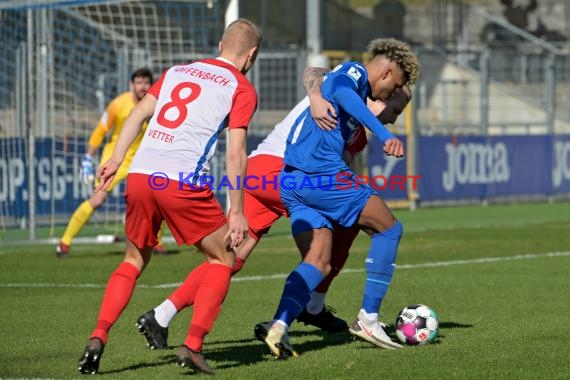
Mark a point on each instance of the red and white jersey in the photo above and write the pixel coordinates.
(275, 143)
(196, 101)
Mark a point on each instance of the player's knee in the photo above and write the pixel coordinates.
(220, 256)
(377, 222)
(137, 257)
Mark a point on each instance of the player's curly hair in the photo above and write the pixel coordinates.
(399, 52)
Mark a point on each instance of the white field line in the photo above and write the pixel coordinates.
(105, 238)
(434, 264)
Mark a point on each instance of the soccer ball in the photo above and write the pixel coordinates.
(417, 325)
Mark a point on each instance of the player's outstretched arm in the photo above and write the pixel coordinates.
(349, 100)
(236, 159)
(322, 111)
(387, 112)
(142, 111)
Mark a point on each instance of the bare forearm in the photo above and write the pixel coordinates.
(236, 170)
(313, 79)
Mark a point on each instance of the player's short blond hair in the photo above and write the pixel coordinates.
(242, 35)
(399, 52)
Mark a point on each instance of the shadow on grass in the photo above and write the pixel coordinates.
(164, 360)
(450, 325)
(454, 325)
(248, 351)
(119, 252)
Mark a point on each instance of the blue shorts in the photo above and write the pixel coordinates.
(315, 201)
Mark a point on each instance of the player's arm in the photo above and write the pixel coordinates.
(322, 111)
(243, 108)
(105, 125)
(133, 124)
(344, 93)
(106, 122)
(387, 112)
(236, 158)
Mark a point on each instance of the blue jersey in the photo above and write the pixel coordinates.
(313, 150)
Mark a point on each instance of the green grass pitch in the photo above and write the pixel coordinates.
(502, 318)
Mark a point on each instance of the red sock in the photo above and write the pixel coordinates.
(184, 295)
(208, 304)
(117, 295)
(238, 264)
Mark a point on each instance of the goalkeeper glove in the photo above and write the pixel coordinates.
(87, 172)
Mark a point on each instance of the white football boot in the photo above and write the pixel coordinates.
(372, 332)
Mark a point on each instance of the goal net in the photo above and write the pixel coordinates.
(61, 64)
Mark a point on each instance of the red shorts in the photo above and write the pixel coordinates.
(191, 215)
(262, 203)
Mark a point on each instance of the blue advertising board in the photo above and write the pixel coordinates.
(56, 166)
(58, 187)
(451, 168)
(561, 164)
(477, 167)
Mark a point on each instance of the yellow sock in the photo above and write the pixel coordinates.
(77, 221)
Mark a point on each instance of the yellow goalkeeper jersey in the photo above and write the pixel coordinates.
(113, 120)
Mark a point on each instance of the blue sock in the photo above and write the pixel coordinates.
(297, 292)
(380, 265)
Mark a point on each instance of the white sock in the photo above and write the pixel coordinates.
(280, 322)
(164, 313)
(370, 317)
(316, 303)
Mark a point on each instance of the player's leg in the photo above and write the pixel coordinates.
(154, 323)
(315, 247)
(385, 231)
(262, 208)
(209, 296)
(117, 295)
(142, 223)
(262, 202)
(83, 213)
(357, 204)
(316, 313)
(196, 218)
(313, 236)
(78, 219)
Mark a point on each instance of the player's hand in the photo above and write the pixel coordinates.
(323, 113)
(106, 174)
(394, 147)
(87, 172)
(375, 106)
(237, 231)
